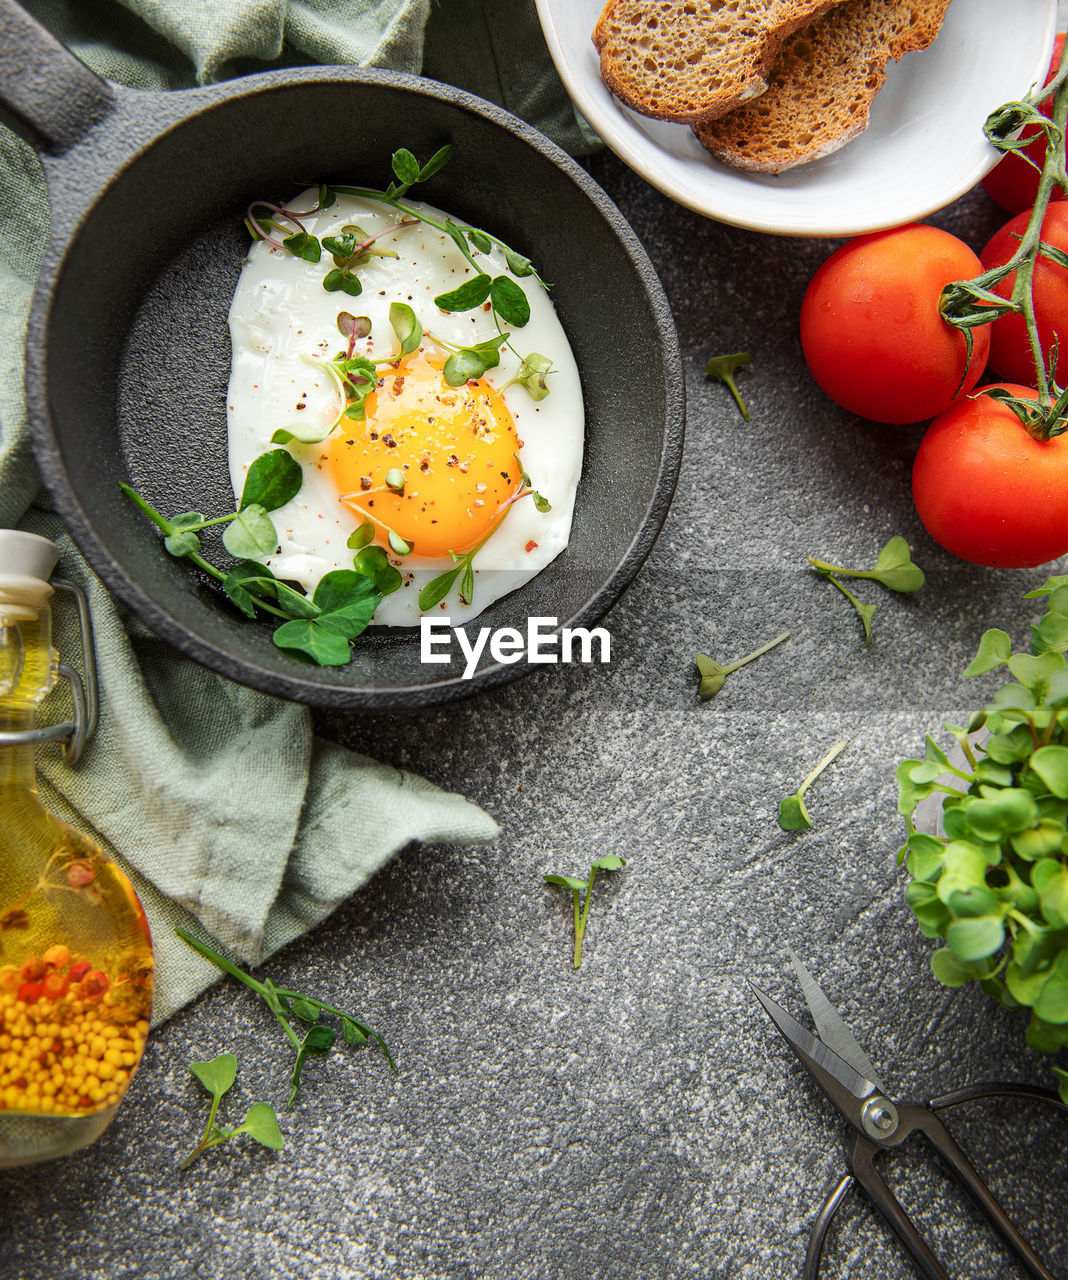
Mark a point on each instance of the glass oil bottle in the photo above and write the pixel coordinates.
(75, 950)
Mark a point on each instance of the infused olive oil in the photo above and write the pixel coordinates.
(75, 951)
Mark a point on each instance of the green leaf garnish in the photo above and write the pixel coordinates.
(405, 325)
(510, 302)
(893, 569)
(260, 1123)
(283, 1004)
(272, 480)
(472, 293)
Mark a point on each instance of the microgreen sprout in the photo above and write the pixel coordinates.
(713, 674)
(893, 569)
(463, 565)
(321, 627)
(351, 249)
(610, 862)
(722, 368)
(970, 303)
(994, 887)
(260, 1122)
(793, 815)
(285, 1005)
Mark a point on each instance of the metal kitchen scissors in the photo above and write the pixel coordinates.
(845, 1074)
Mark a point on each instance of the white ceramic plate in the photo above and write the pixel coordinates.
(923, 149)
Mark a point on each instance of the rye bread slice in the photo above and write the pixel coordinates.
(821, 88)
(692, 60)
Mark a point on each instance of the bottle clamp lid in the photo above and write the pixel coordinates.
(26, 555)
(26, 563)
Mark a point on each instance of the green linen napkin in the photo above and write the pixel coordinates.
(236, 819)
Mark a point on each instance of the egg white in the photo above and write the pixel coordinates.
(281, 314)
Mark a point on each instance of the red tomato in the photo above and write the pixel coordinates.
(1012, 182)
(1010, 352)
(988, 491)
(871, 331)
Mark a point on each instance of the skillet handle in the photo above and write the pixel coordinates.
(46, 95)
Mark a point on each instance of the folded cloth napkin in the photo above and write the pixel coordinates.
(235, 820)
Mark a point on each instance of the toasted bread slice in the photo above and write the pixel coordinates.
(692, 60)
(822, 87)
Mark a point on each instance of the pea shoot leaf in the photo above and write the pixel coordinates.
(184, 541)
(510, 302)
(250, 533)
(472, 293)
(318, 1040)
(273, 479)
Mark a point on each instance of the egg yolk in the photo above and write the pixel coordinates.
(456, 448)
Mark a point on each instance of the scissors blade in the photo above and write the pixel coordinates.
(833, 1031)
(845, 1086)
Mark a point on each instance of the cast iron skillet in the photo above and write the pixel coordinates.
(128, 351)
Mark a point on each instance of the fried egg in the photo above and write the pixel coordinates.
(462, 451)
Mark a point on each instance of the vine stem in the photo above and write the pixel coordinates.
(1027, 254)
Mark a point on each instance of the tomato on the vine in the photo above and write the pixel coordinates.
(987, 490)
(871, 331)
(1012, 182)
(1010, 350)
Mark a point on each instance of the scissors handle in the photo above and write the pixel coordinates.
(923, 1120)
(861, 1161)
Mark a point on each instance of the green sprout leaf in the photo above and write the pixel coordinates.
(340, 279)
(722, 368)
(509, 301)
(405, 166)
(713, 674)
(318, 1040)
(793, 815)
(250, 534)
(183, 541)
(462, 366)
(472, 293)
(272, 480)
(218, 1075)
(283, 1004)
(405, 325)
(893, 568)
(303, 245)
(261, 1125)
(607, 862)
(361, 536)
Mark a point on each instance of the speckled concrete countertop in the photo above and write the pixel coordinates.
(640, 1118)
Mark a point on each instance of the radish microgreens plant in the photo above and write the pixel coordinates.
(994, 887)
(319, 1038)
(967, 304)
(260, 1122)
(610, 862)
(893, 570)
(352, 248)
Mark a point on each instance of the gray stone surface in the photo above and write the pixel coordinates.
(640, 1118)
